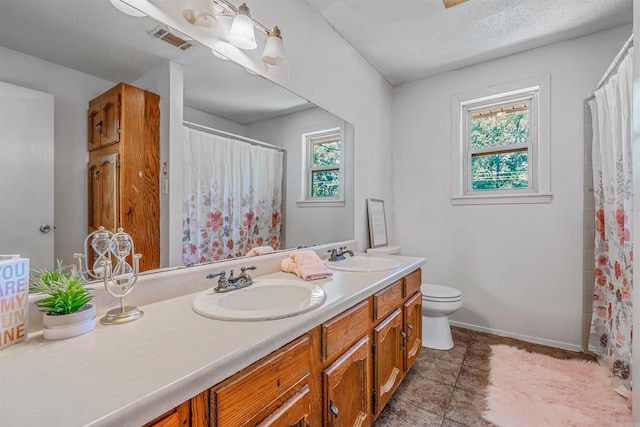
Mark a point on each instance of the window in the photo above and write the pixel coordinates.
(501, 147)
(323, 174)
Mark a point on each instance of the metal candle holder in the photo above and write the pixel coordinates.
(120, 280)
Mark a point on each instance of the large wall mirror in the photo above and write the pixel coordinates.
(76, 50)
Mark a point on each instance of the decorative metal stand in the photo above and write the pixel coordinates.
(99, 241)
(120, 280)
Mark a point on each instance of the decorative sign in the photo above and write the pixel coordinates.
(14, 299)
(377, 223)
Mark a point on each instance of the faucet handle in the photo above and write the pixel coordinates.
(243, 269)
(222, 281)
(222, 275)
(342, 248)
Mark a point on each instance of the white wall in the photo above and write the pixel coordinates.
(307, 225)
(72, 91)
(519, 266)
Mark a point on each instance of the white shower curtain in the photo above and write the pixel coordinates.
(233, 197)
(611, 326)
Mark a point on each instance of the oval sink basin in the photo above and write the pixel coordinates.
(266, 299)
(364, 263)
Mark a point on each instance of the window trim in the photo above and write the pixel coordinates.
(306, 200)
(539, 190)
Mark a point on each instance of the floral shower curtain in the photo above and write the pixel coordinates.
(611, 326)
(233, 197)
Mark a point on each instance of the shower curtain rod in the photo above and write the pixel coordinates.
(218, 132)
(615, 64)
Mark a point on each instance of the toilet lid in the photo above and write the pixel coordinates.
(439, 292)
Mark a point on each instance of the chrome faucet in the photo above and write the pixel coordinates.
(231, 283)
(339, 256)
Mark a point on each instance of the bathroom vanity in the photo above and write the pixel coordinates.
(336, 365)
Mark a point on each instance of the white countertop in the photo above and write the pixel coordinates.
(126, 375)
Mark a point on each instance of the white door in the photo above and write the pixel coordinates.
(26, 174)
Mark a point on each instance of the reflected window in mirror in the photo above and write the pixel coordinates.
(323, 166)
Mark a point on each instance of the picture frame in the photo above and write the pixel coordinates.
(377, 223)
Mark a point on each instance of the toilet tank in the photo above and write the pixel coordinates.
(385, 250)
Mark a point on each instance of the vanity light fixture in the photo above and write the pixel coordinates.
(126, 9)
(241, 34)
(200, 13)
(274, 53)
(242, 30)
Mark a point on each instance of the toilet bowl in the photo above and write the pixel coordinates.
(438, 302)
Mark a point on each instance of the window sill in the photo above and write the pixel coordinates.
(320, 203)
(502, 199)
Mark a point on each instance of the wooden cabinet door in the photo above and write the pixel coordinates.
(110, 116)
(103, 193)
(179, 416)
(103, 124)
(94, 125)
(347, 388)
(388, 358)
(259, 390)
(293, 413)
(412, 312)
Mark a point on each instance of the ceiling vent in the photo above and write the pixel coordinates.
(171, 37)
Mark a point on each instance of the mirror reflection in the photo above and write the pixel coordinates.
(83, 49)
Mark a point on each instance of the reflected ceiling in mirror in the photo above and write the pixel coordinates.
(95, 38)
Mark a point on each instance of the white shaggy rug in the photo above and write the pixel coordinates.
(531, 390)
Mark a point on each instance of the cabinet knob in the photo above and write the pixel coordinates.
(45, 228)
(99, 126)
(410, 330)
(334, 411)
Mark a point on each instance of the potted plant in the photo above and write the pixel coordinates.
(66, 308)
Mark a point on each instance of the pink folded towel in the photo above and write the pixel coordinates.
(307, 257)
(260, 250)
(306, 264)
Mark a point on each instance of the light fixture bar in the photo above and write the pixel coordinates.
(234, 10)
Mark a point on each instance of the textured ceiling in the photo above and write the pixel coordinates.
(93, 37)
(407, 40)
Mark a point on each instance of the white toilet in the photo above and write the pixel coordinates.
(438, 302)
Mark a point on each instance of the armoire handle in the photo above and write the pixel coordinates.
(334, 411)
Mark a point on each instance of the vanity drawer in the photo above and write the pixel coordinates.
(387, 300)
(342, 331)
(412, 283)
(251, 395)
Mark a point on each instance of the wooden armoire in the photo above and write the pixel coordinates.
(124, 167)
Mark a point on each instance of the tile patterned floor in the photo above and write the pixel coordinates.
(447, 388)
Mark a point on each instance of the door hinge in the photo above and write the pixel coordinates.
(374, 399)
(373, 349)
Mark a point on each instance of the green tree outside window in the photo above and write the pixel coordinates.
(325, 173)
(503, 168)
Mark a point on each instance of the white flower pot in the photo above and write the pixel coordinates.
(69, 325)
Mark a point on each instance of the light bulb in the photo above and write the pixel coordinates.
(274, 53)
(241, 34)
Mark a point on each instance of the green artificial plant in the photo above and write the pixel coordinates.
(66, 289)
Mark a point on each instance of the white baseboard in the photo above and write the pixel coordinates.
(536, 340)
